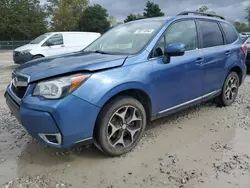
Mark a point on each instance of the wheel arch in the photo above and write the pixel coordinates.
(38, 55)
(134, 90)
(239, 71)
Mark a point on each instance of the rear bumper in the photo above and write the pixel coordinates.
(19, 58)
(62, 125)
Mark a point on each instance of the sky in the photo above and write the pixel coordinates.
(233, 10)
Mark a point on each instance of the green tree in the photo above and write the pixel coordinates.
(248, 15)
(21, 19)
(240, 26)
(112, 20)
(94, 19)
(65, 14)
(205, 9)
(152, 10)
(132, 17)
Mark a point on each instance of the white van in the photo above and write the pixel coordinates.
(54, 43)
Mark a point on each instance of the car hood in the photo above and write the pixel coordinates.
(26, 47)
(74, 62)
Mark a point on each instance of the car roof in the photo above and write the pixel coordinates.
(167, 18)
(73, 32)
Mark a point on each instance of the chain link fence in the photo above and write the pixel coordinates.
(11, 45)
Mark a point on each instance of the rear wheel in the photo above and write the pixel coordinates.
(229, 90)
(120, 126)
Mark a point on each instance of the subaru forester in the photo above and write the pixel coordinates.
(136, 72)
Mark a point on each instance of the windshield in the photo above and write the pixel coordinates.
(127, 38)
(40, 38)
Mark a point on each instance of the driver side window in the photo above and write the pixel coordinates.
(54, 40)
(179, 32)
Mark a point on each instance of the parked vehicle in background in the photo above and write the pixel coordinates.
(247, 42)
(55, 43)
(136, 72)
(244, 35)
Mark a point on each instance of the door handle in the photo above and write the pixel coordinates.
(228, 53)
(63, 45)
(199, 61)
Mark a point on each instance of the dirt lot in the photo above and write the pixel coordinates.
(202, 147)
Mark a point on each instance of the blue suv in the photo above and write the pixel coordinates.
(134, 73)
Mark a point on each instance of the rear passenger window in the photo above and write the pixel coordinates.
(231, 35)
(211, 34)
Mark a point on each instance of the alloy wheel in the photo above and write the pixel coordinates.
(231, 88)
(124, 127)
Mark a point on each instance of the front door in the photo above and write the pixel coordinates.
(179, 81)
(54, 45)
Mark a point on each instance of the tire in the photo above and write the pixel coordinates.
(37, 57)
(229, 90)
(120, 126)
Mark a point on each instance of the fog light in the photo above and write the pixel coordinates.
(55, 139)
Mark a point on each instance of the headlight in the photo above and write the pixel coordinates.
(25, 51)
(59, 87)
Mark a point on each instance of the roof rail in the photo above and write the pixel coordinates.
(200, 13)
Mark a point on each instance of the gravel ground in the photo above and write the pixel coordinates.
(202, 147)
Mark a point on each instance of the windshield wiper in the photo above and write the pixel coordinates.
(100, 52)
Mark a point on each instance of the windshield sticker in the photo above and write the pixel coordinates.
(144, 31)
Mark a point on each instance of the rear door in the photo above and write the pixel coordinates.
(215, 55)
(87, 39)
(78, 41)
(71, 41)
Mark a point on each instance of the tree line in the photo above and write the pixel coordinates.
(27, 19)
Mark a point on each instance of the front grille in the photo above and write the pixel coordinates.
(19, 84)
(18, 91)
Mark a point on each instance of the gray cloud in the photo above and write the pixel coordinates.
(233, 10)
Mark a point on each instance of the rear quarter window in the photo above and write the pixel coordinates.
(230, 33)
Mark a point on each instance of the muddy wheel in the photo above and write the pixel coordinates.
(229, 90)
(120, 126)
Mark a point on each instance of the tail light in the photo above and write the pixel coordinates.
(244, 48)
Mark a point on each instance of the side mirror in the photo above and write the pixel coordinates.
(175, 49)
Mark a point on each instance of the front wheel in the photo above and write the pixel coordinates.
(37, 57)
(229, 90)
(120, 126)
